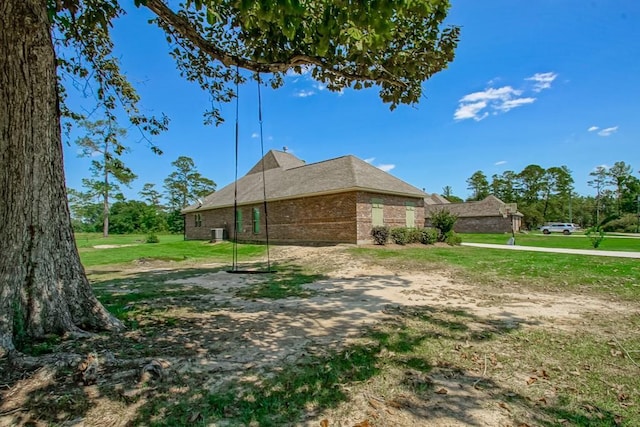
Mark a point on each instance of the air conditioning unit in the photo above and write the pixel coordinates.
(217, 234)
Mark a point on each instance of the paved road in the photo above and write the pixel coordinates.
(620, 254)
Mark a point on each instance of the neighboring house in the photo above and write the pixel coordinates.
(490, 215)
(333, 201)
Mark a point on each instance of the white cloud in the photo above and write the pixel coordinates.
(493, 101)
(502, 93)
(255, 135)
(501, 162)
(471, 111)
(608, 131)
(514, 103)
(304, 93)
(475, 105)
(542, 80)
(320, 86)
(593, 128)
(386, 167)
(603, 166)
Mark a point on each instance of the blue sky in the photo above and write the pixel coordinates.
(548, 82)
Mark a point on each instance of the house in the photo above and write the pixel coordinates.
(490, 215)
(328, 202)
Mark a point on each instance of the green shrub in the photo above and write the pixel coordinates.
(380, 234)
(152, 238)
(452, 239)
(595, 235)
(399, 235)
(625, 224)
(414, 235)
(428, 236)
(443, 221)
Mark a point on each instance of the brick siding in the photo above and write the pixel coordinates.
(394, 213)
(327, 219)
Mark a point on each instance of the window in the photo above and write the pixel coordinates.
(377, 212)
(256, 221)
(198, 220)
(410, 214)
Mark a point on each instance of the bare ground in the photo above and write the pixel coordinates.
(212, 340)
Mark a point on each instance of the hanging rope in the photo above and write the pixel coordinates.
(235, 188)
(264, 181)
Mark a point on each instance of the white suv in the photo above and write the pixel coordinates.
(558, 227)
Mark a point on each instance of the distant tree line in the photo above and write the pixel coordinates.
(156, 211)
(545, 195)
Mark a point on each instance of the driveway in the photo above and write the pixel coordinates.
(619, 254)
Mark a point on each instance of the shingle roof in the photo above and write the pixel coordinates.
(435, 199)
(276, 159)
(288, 177)
(490, 206)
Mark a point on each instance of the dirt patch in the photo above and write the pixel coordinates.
(207, 342)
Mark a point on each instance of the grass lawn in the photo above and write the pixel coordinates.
(538, 270)
(88, 240)
(170, 248)
(574, 241)
(585, 374)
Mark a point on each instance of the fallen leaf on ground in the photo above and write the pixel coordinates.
(504, 406)
(442, 391)
(373, 403)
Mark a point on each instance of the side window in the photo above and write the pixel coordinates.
(377, 212)
(256, 221)
(198, 220)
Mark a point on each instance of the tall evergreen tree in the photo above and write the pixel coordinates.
(600, 182)
(102, 143)
(150, 195)
(619, 174)
(478, 185)
(185, 184)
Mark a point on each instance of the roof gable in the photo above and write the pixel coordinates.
(276, 159)
(288, 177)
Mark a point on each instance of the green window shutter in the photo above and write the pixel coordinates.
(256, 220)
(377, 212)
(410, 214)
(239, 221)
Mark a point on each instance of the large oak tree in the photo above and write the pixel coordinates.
(395, 46)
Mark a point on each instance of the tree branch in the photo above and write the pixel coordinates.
(183, 27)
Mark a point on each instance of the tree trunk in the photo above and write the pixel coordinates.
(43, 287)
(105, 198)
